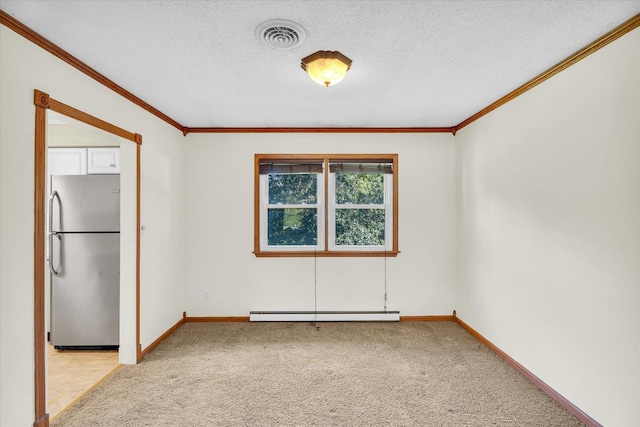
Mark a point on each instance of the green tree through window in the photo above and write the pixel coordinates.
(364, 224)
(293, 188)
(360, 227)
(293, 226)
(359, 188)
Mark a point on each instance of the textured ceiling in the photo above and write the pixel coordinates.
(415, 63)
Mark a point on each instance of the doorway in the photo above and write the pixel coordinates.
(129, 324)
(79, 157)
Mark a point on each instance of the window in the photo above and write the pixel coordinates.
(326, 205)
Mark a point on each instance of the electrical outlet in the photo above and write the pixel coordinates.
(206, 295)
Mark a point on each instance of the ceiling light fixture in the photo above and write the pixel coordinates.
(326, 67)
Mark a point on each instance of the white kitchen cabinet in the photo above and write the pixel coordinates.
(103, 160)
(66, 161)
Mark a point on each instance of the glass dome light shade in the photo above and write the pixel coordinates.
(326, 67)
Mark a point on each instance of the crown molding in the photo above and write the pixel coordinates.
(187, 130)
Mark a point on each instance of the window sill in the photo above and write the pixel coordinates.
(325, 254)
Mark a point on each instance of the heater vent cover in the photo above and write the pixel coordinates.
(280, 34)
(324, 316)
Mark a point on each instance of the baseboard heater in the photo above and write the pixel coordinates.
(324, 316)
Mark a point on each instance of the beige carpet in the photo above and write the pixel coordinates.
(329, 374)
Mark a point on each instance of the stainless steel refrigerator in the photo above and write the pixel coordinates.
(84, 261)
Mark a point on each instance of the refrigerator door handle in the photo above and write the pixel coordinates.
(52, 233)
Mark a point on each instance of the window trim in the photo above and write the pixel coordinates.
(324, 208)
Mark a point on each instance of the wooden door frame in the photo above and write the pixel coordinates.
(42, 103)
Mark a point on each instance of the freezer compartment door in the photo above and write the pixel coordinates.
(85, 203)
(85, 295)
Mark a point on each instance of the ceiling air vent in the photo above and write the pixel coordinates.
(280, 34)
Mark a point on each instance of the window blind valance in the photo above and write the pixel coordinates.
(361, 167)
(317, 166)
(304, 166)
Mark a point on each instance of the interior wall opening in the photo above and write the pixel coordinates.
(87, 149)
(84, 346)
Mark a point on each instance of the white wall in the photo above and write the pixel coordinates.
(72, 135)
(162, 240)
(219, 202)
(549, 231)
(23, 68)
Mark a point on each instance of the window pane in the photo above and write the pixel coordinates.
(360, 227)
(293, 189)
(292, 227)
(359, 188)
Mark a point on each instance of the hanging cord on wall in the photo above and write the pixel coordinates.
(315, 285)
(315, 291)
(385, 280)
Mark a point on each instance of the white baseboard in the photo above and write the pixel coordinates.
(324, 316)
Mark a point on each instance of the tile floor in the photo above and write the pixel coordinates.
(70, 373)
